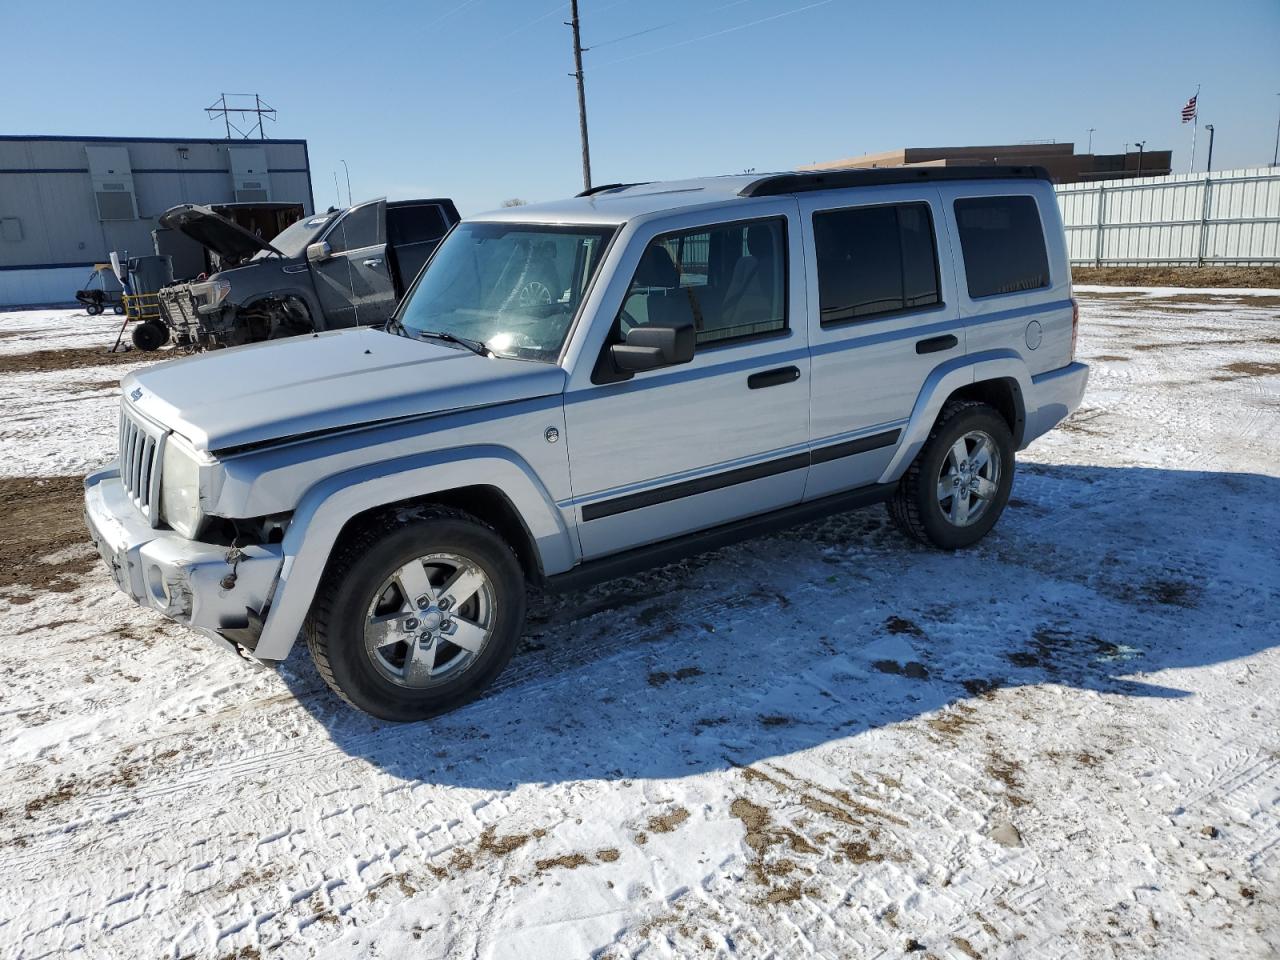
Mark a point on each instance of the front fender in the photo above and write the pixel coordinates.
(945, 380)
(327, 507)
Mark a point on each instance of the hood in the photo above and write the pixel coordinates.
(284, 388)
(213, 231)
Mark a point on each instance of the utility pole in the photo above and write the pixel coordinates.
(582, 98)
(1209, 164)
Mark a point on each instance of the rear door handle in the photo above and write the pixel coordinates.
(373, 262)
(771, 378)
(935, 344)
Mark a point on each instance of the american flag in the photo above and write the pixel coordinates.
(1189, 111)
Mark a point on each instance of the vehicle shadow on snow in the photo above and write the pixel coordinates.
(1095, 578)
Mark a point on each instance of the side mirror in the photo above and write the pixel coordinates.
(654, 345)
(317, 252)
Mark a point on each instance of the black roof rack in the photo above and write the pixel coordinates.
(804, 182)
(602, 187)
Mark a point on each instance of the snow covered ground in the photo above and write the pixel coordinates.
(1062, 743)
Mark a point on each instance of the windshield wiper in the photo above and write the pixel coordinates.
(475, 346)
(395, 326)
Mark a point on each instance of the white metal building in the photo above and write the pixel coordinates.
(67, 202)
(1228, 217)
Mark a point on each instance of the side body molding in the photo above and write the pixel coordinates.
(940, 384)
(325, 509)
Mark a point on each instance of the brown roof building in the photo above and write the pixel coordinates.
(1060, 159)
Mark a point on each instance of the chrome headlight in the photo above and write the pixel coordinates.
(180, 476)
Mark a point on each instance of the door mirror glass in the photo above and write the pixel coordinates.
(654, 345)
(318, 252)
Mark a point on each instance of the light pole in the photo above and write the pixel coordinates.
(1140, 145)
(1275, 154)
(1209, 163)
(1090, 147)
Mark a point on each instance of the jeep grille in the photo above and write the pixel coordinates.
(141, 448)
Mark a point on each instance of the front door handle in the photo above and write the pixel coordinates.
(373, 262)
(935, 344)
(771, 378)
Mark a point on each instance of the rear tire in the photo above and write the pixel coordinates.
(416, 615)
(958, 485)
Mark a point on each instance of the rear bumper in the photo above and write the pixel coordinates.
(207, 587)
(1053, 397)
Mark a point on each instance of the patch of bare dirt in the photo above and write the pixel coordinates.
(1244, 369)
(668, 822)
(43, 517)
(570, 861)
(70, 358)
(1177, 276)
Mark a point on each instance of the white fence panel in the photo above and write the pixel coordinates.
(1227, 217)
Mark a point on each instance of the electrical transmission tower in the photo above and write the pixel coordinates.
(260, 111)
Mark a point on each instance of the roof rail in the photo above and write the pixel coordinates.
(807, 181)
(601, 188)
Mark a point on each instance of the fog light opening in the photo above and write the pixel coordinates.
(155, 582)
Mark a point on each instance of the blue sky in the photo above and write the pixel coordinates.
(472, 98)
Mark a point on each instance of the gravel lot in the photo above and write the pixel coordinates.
(1062, 743)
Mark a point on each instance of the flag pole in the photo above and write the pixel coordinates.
(1195, 125)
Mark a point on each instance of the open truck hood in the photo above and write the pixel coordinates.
(214, 231)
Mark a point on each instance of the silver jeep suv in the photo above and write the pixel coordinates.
(573, 391)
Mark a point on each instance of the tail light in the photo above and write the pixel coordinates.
(1075, 326)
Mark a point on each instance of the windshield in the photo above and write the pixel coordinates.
(513, 287)
(293, 240)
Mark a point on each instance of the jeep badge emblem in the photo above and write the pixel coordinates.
(552, 435)
(136, 394)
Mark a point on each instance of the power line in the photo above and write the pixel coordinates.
(669, 23)
(445, 16)
(719, 33)
(532, 23)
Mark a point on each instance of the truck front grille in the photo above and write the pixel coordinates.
(141, 448)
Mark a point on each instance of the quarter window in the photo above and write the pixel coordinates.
(728, 281)
(875, 260)
(1003, 245)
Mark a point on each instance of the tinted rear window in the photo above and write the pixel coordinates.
(874, 260)
(1003, 245)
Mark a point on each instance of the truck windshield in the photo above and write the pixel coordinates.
(513, 287)
(292, 241)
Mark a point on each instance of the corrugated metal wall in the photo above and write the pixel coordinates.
(1230, 217)
(51, 228)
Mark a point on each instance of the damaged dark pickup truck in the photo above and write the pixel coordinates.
(342, 268)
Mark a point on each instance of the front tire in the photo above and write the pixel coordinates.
(417, 615)
(150, 335)
(955, 490)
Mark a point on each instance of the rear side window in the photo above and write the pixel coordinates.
(875, 260)
(1003, 245)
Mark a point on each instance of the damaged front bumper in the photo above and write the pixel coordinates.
(218, 591)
